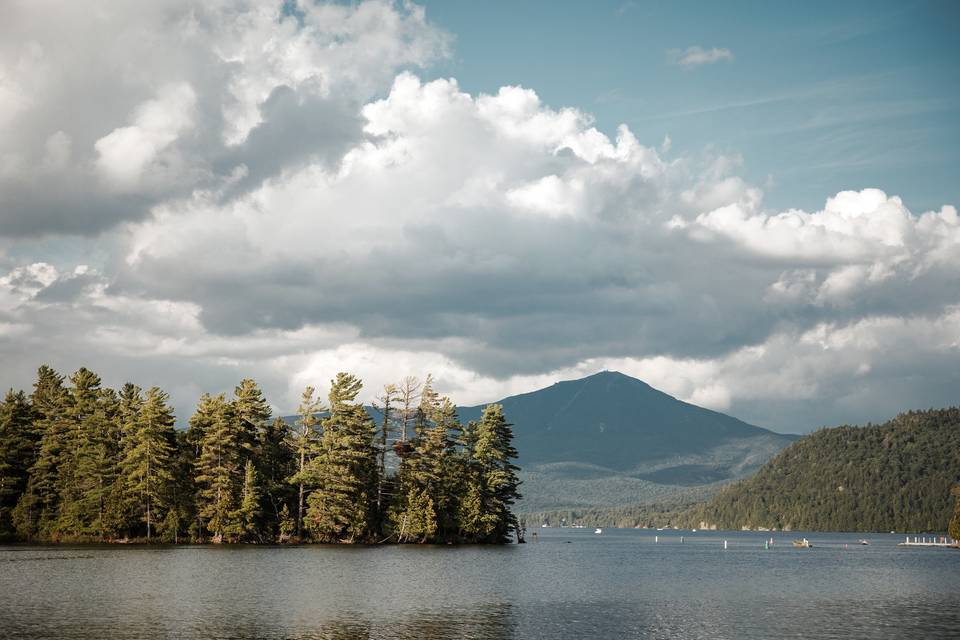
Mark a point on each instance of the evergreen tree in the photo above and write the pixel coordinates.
(345, 470)
(16, 451)
(252, 414)
(288, 525)
(954, 528)
(201, 421)
(91, 465)
(181, 500)
(249, 516)
(386, 405)
(219, 471)
(37, 510)
(492, 484)
(148, 459)
(304, 441)
(128, 416)
(426, 500)
(276, 464)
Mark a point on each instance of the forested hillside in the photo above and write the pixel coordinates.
(82, 462)
(891, 477)
(609, 440)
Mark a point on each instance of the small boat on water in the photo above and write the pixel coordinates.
(803, 543)
(598, 531)
(863, 542)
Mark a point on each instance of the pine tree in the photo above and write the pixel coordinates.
(423, 491)
(201, 421)
(304, 441)
(345, 470)
(181, 503)
(249, 515)
(16, 453)
(148, 459)
(91, 464)
(252, 414)
(288, 525)
(276, 463)
(491, 481)
(38, 508)
(954, 528)
(386, 405)
(219, 471)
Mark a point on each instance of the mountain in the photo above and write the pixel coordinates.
(891, 477)
(609, 439)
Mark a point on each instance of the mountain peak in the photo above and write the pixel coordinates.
(615, 421)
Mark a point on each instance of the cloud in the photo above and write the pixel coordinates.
(283, 196)
(127, 152)
(697, 56)
(124, 106)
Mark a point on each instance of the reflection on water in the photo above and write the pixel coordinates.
(622, 584)
(490, 623)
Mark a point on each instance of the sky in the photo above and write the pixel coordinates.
(751, 206)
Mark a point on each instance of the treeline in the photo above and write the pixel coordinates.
(82, 462)
(891, 477)
(673, 510)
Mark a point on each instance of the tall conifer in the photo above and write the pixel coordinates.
(345, 470)
(219, 471)
(16, 452)
(148, 461)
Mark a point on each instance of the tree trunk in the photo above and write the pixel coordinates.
(300, 499)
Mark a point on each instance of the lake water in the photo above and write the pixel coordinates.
(568, 583)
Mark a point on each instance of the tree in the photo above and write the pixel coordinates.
(219, 474)
(37, 509)
(16, 451)
(181, 502)
(344, 473)
(426, 502)
(304, 440)
(954, 528)
(385, 404)
(90, 466)
(492, 483)
(250, 512)
(409, 393)
(287, 524)
(252, 413)
(148, 459)
(276, 463)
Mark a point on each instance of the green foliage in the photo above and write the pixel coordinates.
(16, 455)
(147, 464)
(892, 477)
(304, 443)
(83, 462)
(491, 479)
(343, 472)
(37, 508)
(250, 508)
(219, 469)
(954, 528)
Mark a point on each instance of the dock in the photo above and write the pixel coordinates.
(928, 541)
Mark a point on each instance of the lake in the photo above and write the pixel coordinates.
(564, 583)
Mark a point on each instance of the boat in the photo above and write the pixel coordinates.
(863, 542)
(598, 531)
(803, 543)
